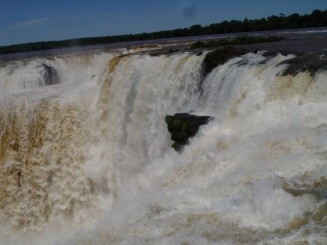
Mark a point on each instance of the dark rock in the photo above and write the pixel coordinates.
(318, 188)
(182, 126)
(311, 63)
(197, 45)
(199, 53)
(170, 51)
(50, 75)
(177, 147)
(219, 57)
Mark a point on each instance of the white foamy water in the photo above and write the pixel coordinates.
(88, 160)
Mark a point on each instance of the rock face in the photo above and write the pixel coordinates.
(312, 63)
(182, 126)
(219, 57)
(50, 75)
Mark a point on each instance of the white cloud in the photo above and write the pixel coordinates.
(29, 23)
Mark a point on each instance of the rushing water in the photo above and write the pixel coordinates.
(88, 160)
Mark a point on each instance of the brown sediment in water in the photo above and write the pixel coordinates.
(40, 168)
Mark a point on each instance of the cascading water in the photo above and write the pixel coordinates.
(88, 160)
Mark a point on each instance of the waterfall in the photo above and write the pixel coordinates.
(85, 154)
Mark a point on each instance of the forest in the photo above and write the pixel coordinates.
(318, 18)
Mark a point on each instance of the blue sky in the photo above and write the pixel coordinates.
(35, 20)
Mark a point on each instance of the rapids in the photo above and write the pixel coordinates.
(88, 160)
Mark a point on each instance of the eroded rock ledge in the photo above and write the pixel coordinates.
(311, 62)
(182, 126)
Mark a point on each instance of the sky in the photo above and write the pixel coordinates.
(23, 21)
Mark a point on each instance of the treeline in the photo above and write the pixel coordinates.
(235, 41)
(317, 18)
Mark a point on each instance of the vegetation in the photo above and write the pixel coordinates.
(235, 41)
(183, 126)
(316, 19)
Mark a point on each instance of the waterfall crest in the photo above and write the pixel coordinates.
(92, 152)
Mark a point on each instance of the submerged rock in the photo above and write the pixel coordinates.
(50, 75)
(182, 126)
(318, 188)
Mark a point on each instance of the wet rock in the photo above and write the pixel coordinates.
(318, 188)
(198, 52)
(50, 75)
(170, 51)
(219, 57)
(182, 126)
(311, 63)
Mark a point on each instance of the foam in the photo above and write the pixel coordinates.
(93, 155)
